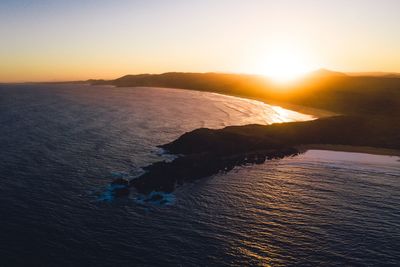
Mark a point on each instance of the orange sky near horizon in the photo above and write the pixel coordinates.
(78, 40)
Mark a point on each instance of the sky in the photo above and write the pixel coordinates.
(53, 40)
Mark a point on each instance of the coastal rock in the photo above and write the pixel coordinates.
(155, 197)
(120, 187)
(120, 181)
(121, 191)
(165, 176)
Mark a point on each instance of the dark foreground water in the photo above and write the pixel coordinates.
(61, 145)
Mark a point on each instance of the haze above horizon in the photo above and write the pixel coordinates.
(77, 40)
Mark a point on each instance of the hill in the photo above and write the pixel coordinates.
(323, 89)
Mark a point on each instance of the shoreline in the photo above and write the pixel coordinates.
(317, 113)
(353, 149)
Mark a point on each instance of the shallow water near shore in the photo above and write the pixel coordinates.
(61, 145)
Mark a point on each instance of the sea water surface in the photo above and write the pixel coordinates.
(60, 146)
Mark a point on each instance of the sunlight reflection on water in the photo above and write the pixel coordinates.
(254, 111)
(286, 115)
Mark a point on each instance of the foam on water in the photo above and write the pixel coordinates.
(167, 157)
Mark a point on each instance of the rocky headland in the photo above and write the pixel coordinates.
(204, 152)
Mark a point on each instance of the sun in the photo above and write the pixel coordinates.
(284, 65)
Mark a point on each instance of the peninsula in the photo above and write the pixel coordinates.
(367, 112)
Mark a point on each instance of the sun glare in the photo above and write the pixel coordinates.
(284, 65)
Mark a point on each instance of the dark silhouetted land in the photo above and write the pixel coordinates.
(333, 91)
(369, 108)
(208, 151)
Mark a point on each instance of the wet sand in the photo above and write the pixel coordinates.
(346, 148)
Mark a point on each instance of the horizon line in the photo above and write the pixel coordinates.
(381, 74)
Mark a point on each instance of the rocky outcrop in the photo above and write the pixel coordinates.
(165, 176)
(206, 152)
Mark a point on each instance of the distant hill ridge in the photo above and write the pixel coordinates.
(323, 89)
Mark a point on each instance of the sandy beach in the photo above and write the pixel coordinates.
(345, 148)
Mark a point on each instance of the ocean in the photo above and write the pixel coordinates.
(61, 146)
